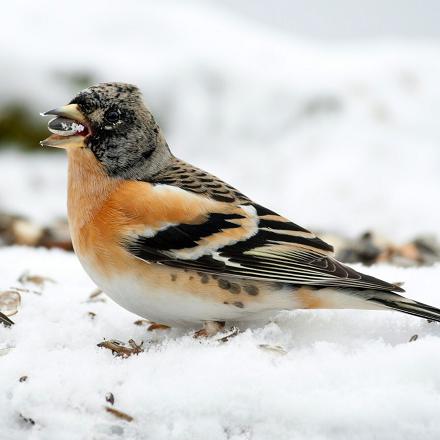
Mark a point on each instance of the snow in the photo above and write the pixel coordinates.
(344, 374)
(39, 187)
(337, 135)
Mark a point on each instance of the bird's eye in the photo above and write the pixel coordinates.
(112, 116)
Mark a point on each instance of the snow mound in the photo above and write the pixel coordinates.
(339, 375)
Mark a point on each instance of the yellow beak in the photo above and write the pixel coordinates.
(72, 112)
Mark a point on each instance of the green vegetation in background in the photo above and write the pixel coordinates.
(22, 128)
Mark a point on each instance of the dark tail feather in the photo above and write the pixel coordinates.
(405, 305)
(5, 320)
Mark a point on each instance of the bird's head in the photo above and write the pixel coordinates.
(112, 122)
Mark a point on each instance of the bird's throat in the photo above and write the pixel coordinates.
(88, 187)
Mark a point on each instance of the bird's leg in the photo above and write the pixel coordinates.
(156, 326)
(210, 328)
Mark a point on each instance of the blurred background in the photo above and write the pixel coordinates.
(327, 112)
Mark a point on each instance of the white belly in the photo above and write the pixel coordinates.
(164, 306)
(174, 307)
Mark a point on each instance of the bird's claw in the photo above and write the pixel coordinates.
(210, 328)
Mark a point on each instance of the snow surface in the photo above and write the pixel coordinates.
(345, 374)
(337, 136)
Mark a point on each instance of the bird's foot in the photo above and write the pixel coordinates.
(156, 326)
(210, 328)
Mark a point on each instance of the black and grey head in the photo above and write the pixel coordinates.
(119, 130)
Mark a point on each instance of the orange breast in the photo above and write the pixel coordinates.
(102, 211)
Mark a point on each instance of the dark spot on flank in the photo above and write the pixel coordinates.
(191, 278)
(225, 302)
(173, 277)
(250, 289)
(238, 304)
(215, 277)
(223, 284)
(235, 288)
(204, 278)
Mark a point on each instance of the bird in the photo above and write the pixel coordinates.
(178, 246)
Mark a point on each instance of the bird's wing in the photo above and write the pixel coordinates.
(192, 231)
(183, 175)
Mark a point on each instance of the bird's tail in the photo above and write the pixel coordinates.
(393, 301)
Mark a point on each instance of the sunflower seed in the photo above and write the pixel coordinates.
(64, 126)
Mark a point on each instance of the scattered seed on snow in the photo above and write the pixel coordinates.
(109, 397)
(119, 414)
(273, 348)
(96, 296)
(10, 301)
(27, 420)
(119, 349)
(7, 322)
(142, 322)
(38, 280)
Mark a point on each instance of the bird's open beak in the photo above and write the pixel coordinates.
(70, 128)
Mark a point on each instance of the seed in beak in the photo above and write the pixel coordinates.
(64, 127)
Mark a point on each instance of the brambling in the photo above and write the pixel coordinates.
(178, 246)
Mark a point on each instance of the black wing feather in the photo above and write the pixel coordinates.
(269, 255)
